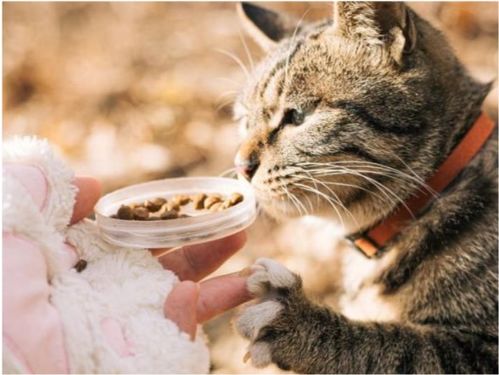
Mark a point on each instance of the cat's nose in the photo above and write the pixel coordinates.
(247, 166)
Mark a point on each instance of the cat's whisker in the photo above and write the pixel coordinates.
(317, 181)
(299, 203)
(336, 197)
(293, 37)
(292, 199)
(386, 174)
(361, 173)
(431, 190)
(228, 172)
(326, 171)
(321, 194)
(230, 80)
(237, 60)
(229, 95)
(416, 179)
(310, 203)
(223, 104)
(352, 163)
(226, 94)
(246, 50)
(354, 187)
(382, 188)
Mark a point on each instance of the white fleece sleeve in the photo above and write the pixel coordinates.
(112, 311)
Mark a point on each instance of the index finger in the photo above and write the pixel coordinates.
(194, 262)
(220, 294)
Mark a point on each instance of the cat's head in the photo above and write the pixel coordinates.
(347, 117)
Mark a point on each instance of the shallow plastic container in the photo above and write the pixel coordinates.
(201, 227)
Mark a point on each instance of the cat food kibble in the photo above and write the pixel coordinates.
(80, 265)
(154, 205)
(169, 214)
(167, 209)
(211, 200)
(235, 198)
(181, 200)
(216, 206)
(140, 213)
(198, 200)
(172, 205)
(125, 213)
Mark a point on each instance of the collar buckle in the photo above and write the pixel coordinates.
(364, 244)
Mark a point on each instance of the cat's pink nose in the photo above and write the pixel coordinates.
(246, 167)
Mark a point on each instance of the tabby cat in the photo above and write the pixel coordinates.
(346, 119)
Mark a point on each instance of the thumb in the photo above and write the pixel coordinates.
(180, 306)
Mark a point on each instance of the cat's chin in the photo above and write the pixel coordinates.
(280, 209)
(284, 209)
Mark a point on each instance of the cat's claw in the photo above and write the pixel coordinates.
(268, 281)
(267, 274)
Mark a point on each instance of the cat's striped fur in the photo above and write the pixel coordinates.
(356, 113)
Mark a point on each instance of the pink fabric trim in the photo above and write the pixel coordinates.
(33, 179)
(29, 320)
(115, 336)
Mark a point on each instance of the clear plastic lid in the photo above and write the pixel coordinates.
(200, 227)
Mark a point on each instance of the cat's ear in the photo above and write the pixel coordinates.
(265, 26)
(389, 24)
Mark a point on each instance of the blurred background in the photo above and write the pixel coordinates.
(130, 92)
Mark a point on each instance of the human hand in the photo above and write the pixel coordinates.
(190, 302)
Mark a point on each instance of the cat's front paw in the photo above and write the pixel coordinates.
(268, 322)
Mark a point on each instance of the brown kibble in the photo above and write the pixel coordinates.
(140, 213)
(163, 209)
(211, 200)
(136, 205)
(80, 265)
(235, 198)
(216, 207)
(155, 204)
(198, 200)
(226, 204)
(169, 214)
(172, 206)
(125, 212)
(181, 200)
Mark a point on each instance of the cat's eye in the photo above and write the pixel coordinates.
(293, 116)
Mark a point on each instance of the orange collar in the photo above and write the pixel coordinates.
(373, 240)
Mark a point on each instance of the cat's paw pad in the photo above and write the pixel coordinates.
(267, 274)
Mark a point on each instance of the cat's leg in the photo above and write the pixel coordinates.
(285, 328)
